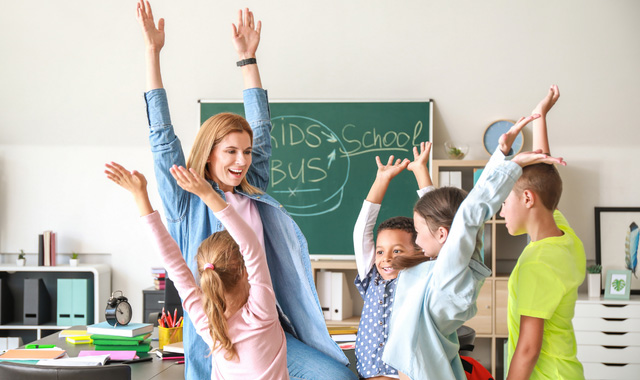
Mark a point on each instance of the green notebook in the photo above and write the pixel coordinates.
(138, 338)
(139, 348)
(114, 342)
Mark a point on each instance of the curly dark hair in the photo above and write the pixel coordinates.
(401, 223)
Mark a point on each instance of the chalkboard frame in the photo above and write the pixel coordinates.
(346, 252)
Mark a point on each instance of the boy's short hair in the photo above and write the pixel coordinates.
(401, 223)
(544, 180)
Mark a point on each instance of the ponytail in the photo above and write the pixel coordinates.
(222, 252)
(437, 207)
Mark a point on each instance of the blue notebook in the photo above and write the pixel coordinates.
(130, 330)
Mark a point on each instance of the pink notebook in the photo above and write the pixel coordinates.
(113, 355)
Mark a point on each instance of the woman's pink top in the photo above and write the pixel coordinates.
(254, 329)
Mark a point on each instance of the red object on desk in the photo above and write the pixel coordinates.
(172, 357)
(180, 362)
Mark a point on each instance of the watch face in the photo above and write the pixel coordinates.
(123, 313)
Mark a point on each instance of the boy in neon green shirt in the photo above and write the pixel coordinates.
(543, 286)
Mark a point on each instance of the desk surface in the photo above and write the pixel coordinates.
(156, 369)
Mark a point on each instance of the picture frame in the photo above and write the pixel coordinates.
(618, 284)
(612, 226)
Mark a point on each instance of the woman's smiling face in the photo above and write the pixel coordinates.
(230, 160)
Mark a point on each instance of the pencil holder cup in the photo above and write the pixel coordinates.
(168, 335)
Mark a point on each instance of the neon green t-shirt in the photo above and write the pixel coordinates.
(544, 284)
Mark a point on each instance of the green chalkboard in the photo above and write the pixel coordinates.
(323, 161)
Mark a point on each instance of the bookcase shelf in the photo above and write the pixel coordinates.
(99, 276)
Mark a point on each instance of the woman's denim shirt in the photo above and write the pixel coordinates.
(435, 298)
(190, 221)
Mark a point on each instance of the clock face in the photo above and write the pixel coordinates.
(495, 130)
(123, 313)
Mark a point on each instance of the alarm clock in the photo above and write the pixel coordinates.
(118, 311)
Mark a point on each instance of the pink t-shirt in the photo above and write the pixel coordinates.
(255, 329)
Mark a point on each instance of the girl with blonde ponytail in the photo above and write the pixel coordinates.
(234, 308)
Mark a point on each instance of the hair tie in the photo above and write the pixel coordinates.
(209, 266)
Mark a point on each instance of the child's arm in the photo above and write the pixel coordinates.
(255, 259)
(168, 249)
(419, 165)
(134, 182)
(540, 136)
(153, 40)
(363, 244)
(528, 348)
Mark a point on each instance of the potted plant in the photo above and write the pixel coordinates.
(594, 280)
(74, 259)
(20, 261)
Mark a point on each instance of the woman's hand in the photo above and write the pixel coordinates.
(153, 37)
(246, 35)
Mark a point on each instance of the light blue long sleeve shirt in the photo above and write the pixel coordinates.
(435, 298)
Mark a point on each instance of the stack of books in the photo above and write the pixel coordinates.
(158, 278)
(132, 337)
(47, 249)
(173, 351)
(345, 336)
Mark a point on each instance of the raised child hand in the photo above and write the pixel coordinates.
(391, 169)
(548, 101)
(536, 157)
(507, 139)
(153, 37)
(190, 181)
(246, 35)
(133, 181)
(421, 159)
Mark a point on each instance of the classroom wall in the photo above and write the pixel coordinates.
(72, 82)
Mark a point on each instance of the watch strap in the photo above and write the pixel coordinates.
(248, 61)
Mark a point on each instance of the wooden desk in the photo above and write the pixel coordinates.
(157, 369)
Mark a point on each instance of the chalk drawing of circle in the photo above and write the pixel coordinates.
(308, 171)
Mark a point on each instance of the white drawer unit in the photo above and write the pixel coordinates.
(608, 337)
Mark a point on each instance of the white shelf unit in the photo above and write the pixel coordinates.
(100, 274)
(350, 269)
(608, 337)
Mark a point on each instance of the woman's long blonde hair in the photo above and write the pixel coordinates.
(211, 133)
(223, 252)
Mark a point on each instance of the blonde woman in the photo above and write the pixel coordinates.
(233, 154)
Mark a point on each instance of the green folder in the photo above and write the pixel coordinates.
(138, 338)
(108, 342)
(139, 348)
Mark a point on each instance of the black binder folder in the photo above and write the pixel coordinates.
(6, 303)
(36, 302)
